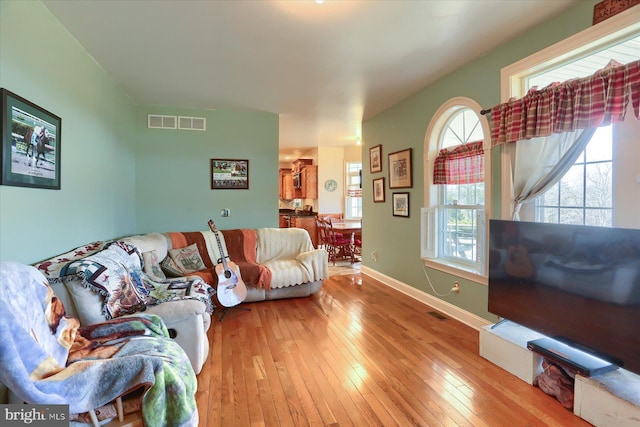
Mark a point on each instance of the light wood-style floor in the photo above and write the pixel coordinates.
(359, 353)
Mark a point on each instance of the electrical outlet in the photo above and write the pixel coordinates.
(225, 213)
(456, 287)
(374, 256)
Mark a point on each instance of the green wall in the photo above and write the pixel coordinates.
(173, 187)
(41, 62)
(397, 240)
(118, 177)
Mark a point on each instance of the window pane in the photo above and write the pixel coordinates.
(479, 194)
(599, 217)
(464, 194)
(454, 132)
(451, 195)
(463, 127)
(460, 233)
(467, 194)
(549, 215)
(550, 197)
(353, 201)
(474, 130)
(599, 148)
(571, 216)
(598, 185)
(572, 187)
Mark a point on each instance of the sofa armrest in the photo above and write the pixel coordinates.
(187, 323)
(316, 262)
(175, 311)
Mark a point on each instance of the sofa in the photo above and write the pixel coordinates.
(273, 263)
(89, 282)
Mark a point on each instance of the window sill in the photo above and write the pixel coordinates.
(456, 270)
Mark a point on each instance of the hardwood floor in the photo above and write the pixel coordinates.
(359, 353)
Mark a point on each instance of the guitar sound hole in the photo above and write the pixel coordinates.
(227, 274)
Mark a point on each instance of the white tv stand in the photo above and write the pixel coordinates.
(609, 399)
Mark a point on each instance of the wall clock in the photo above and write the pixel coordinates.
(330, 185)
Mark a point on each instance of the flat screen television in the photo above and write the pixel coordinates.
(576, 284)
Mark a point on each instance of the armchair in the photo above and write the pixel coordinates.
(47, 358)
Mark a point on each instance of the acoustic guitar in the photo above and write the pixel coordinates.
(518, 263)
(231, 289)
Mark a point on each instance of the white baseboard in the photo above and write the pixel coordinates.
(469, 319)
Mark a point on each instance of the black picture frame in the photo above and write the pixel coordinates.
(31, 144)
(400, 204)
(229, 174)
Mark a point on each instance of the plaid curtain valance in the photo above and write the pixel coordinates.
(462, 164)
(589, 102)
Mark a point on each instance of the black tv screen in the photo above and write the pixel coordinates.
(577, 284)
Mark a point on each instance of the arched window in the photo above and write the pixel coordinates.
(457, 173)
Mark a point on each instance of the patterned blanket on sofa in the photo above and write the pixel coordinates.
(116, 273)
(47, 358)
(51, 268)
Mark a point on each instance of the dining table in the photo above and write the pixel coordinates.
(346, 227)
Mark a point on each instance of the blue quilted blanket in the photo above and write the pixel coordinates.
(47, 358)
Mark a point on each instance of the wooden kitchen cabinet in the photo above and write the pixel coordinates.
(309, 224)
(309, 176)
(284, 221)
(285, 191)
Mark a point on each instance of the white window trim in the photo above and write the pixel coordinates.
(431, 150)
(619, 27)
(347, 198)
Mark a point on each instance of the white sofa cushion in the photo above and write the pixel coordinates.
(150, 241)
(88, 303)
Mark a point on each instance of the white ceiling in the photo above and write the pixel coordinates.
(322, 67)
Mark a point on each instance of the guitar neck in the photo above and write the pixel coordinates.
(223, 259)
(222, 256)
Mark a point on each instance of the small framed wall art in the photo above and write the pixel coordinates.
(378, 190)
(31, 143)
(401, 204)
(375, 159)
(400, 169)
(228, 174)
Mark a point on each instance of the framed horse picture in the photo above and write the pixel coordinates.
(227, 174)
(30, 155)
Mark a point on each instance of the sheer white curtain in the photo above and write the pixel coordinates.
(541, 162)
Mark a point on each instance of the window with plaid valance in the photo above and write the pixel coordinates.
(462, 164)
(589, 102)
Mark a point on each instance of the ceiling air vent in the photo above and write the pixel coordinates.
(155, 121)
(192, 123)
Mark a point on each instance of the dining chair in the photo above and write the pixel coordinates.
(323, 240)
(357, 243)
(339, 246)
